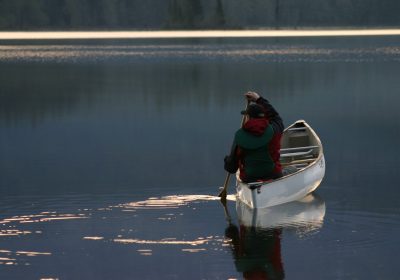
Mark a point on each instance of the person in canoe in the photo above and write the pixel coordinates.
(255, 149)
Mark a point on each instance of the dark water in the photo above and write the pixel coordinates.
(111, 158)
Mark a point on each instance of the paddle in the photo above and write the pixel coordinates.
(223, 192)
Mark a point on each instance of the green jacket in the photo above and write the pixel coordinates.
(255, 161)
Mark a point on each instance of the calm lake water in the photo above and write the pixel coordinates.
(111, 158)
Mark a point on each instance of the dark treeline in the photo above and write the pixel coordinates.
(72, 14)
(195, 14)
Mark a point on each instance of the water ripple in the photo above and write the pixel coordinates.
(360, 230)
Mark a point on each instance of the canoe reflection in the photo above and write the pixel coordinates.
(305, 214)
(256, 242)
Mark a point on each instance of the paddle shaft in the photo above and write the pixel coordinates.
(223, 192)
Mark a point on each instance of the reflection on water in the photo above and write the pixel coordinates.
(165, 241)
(178, 206)
(307, 214)
(254, 238)
(42, 217)
(257, 253)
(168, 203)
(84, 125)
(256, 242)
(18, 257)
(172, 201)
(233, 52)
(93, 238)
(9, 228)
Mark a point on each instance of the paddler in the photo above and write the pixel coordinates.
(256, 146)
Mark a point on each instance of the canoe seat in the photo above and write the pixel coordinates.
(297, 151)
(303, 128)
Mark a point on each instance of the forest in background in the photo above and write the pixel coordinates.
(195, 14)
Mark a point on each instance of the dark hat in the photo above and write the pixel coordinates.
(254, 111)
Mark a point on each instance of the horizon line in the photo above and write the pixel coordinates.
(160, 34)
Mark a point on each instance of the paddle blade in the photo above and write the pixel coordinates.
(222, 194)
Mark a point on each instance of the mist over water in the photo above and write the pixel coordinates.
(111, 157)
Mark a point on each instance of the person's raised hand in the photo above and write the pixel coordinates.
(252, 96)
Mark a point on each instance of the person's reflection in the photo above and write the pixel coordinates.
(257, 252)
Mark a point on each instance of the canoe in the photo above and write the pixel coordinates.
(303, 163)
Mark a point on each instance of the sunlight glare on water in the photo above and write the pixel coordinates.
(173, 201)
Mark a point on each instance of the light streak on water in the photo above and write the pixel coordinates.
(8, 257)
(199, 241)
(93, 238)
(32, 254)
(192, 34)
(145, 252)
(13, 232)
(193, 250)
(39, 218)
(8, 226)
(172, 201)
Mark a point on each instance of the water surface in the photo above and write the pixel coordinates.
(111, 158)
